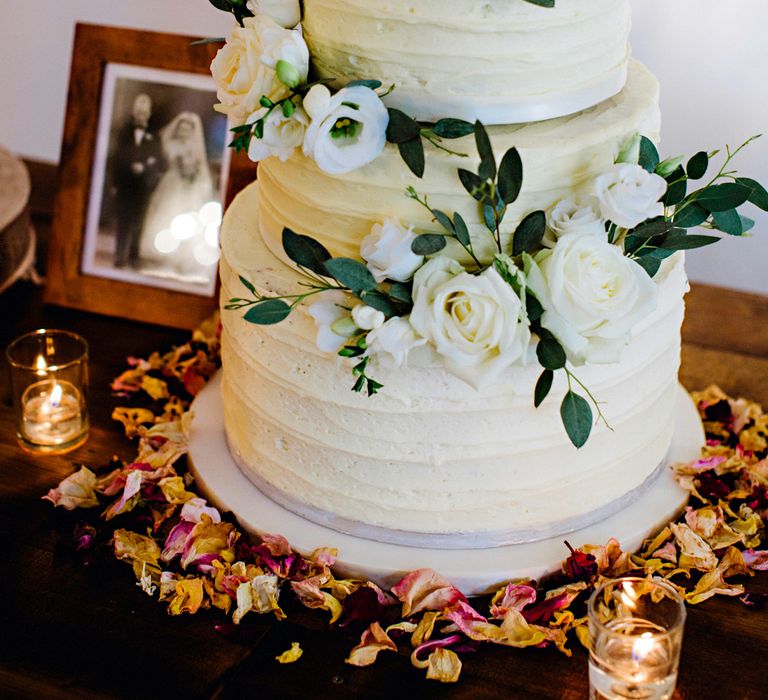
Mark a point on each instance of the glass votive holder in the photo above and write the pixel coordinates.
(49, 380)
(636, 633)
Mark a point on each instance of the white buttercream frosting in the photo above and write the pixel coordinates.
(501, 61)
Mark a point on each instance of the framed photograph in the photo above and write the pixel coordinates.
(142, 181)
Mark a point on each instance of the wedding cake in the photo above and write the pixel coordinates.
(460, 214)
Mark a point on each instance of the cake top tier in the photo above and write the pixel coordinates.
(500, 61)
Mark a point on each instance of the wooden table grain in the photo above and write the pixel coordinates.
(74, 631)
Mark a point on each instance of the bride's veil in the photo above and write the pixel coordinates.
(192, 147)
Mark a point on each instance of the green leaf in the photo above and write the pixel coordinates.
(400, 293)
(248, 285)
(510, 176)
(542, 3)
(677, 189)
(697, 166)
(543, 387)
(747, 224)
(452, 128)
(650, 264)
(649, 155)
(428, 244)
(723, 197)
(758, 194)
(444, 220)
(687, 241)
(221, 4)
(412, 152)
(401, 127)
(529, 233)
(654, 227)
(208, 40)
(692, 215)
(461, 230)
(577, 418)
(728, 222)
(550, 353)
(267, 313)
(473, 184)
(372, 84)
(352, 274)
(487, 170)
(305, 251)
(533, 307)
(379, 301)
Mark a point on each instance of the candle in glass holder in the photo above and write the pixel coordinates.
(52, 413)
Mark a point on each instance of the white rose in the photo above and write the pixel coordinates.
(286, 13)
(391, 342)
(629, 194)
(348, 129)
(245, 68)
(477, 323)
(333, 320)
(282, 135)
(572, 215)
(387, 250)
(367, 318)
(592, 296)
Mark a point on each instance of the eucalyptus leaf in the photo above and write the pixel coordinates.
(379, 301)
(650, 264)
(305, 251)
(400, 293)
(461, 230)
(371, 84)
(444, 220)
(248, 285)
(687, 241)
(351, 274)
(577, 418)
(533, 307)
(747, 224)
(723, 197)
(412, 152)
(758, 194)
(529, 233)
(550, 353)
(690, 216)
(654, 227)
(487, 170)
(543, 387)
(428, 244)
(401, 127)
(697, 166)
(474, 185)
(452, 128)
(649, 155)
(678, 188)
(728, 222)
(542, 3)
(267, 313)
(510, 176)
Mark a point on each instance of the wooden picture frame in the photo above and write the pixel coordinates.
(112, 66)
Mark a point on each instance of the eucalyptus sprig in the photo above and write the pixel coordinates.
(360, 370)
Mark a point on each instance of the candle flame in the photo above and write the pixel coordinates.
(55, 397)
(41, 365)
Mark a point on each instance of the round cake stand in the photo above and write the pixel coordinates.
(473, 571)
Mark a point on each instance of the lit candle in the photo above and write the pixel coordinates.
(52, 412)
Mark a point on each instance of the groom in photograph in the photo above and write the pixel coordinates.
(139, 163)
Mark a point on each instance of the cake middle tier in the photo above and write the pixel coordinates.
(560, 157)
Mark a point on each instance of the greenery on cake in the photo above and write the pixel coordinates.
(560, 288)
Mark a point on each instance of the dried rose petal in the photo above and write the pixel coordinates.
(78, 490)
(425, 589)
(372, 641)
(756, 560)
(513, 596)
(580, 566)
(293, 654)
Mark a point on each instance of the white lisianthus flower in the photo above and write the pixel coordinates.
(629, 194)
(348, 129)
(245, 68)
(333, 320)
(286, 13)
(367, 318)
(387, 250)
(592, 296)
(391, 342)
(573, 215)
(282, 135)
(477, 323)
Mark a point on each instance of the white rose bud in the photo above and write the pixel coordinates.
(387, 250)
(348, 129)
(282, 135)
(391, 343)
(367, 318)
(245, 68)
(286, 13)
(476, 322)
(592, 296)
(572, 215)
(629, 195)
(333, 321)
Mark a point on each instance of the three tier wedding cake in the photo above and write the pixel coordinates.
(460, 214)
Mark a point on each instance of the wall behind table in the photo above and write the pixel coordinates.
(709, 55)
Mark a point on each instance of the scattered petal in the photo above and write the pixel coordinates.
(372, 641)
(78, 490)
(425, 589)
(293, 654)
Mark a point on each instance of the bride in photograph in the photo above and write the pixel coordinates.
(173, 227)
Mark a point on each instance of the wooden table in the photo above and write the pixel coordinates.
(74, 631)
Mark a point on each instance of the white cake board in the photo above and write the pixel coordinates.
(473, 571)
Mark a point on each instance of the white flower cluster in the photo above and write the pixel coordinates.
(591, 293)
(261, 78)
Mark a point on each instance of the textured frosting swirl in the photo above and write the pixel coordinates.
(502, 61)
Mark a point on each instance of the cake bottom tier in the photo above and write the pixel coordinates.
(430, 459)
